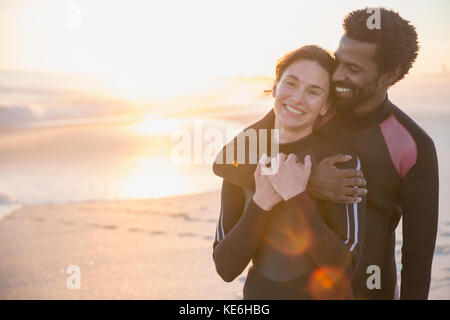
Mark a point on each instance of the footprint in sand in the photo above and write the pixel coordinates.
(136, 230)
(179, 215)
(156, 232)
(96, 225)
(38, 219)
(111, 227)
(186, 234)
(93, 225)
(67, 222)
(184, 216)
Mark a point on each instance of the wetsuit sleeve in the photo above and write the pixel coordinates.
(239, 232)
(420, 196)
(336, 242)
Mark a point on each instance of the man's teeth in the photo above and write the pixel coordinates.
(294, 110)
(339, 89)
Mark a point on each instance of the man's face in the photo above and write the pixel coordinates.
(356, 78)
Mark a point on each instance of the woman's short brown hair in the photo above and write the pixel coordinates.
(309, 52)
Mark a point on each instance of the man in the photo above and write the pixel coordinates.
(398, 158)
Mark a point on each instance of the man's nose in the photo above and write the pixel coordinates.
(338, 75)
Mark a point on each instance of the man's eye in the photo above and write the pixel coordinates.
(353, 69)
(314, 93)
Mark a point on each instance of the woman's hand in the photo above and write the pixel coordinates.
(291, 178)
(265, 195)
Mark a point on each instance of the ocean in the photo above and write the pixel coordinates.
(61, 141)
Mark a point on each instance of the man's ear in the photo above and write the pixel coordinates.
(391, 77)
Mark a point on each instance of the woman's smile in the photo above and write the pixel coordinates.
(293, 110)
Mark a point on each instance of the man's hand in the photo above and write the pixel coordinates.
(265, 195)
(336, 185)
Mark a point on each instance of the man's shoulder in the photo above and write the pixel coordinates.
(407, 141)
(408, 124)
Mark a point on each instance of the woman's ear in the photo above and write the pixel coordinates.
(274, 89)
(325, 108)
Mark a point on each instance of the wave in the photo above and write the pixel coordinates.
(7, 206)
(4, 199)
(6, 210)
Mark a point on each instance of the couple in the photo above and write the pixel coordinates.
(311, 228)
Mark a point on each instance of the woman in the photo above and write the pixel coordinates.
(301, 248)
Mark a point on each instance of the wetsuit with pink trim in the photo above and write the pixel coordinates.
(303, 248)
(400, 166)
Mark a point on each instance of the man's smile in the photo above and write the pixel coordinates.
(343, 92)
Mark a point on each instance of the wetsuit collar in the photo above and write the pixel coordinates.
(243, 174)
(357, 122)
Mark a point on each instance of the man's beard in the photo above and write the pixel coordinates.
(359, 94)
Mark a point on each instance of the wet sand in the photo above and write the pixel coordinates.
(131, 249)
(137, 249)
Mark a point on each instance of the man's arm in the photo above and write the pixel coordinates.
(420, 200)
(239, 232)
(338, 242)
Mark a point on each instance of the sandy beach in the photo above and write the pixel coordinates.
(130, 249)
(137, 249)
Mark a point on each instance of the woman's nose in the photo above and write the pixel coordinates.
(297, 96)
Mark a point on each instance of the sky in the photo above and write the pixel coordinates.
(175, 45)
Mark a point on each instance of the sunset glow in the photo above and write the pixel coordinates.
(146, 49)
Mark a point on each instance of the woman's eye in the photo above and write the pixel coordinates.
(314, 93)
(290, 84)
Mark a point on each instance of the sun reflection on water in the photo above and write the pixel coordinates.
(158, 126)
(152, 178)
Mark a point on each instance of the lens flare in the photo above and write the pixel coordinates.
(288, 233)
(329, 283)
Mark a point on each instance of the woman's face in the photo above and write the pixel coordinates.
(301, 95)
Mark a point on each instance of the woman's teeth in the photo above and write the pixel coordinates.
(293, 110)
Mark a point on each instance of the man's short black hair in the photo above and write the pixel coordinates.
(396, 39)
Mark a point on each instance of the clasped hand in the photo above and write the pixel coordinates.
(284, 179)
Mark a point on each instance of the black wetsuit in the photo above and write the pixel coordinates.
(399, 163)
(278, 240)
